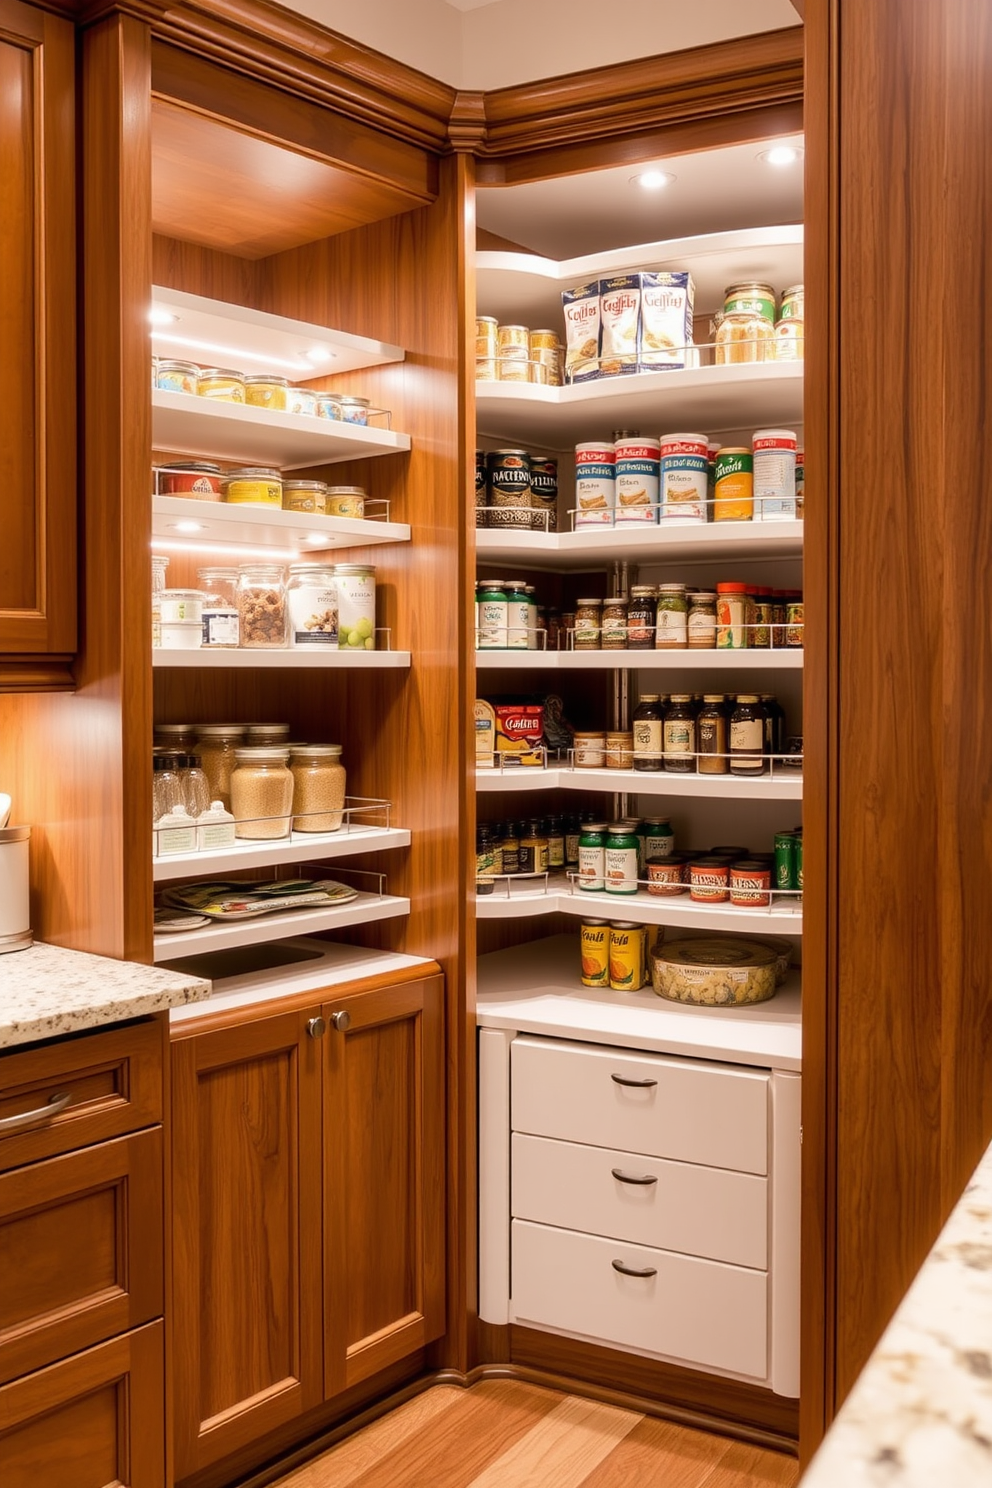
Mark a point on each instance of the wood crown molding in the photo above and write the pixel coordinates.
(48, 673)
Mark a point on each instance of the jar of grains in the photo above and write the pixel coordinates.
(261, 793)
(216, 745)
(318, 787)
(262, 605)
(747, 331)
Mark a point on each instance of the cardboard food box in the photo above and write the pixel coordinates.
(519, 733)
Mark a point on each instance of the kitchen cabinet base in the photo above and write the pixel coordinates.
(36, 674)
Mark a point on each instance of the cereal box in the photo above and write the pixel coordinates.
(666, 319)
(619, 316)
(581, 307)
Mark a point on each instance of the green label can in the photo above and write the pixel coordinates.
(785, 861)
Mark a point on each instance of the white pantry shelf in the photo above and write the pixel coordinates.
(597, 547)
(183, 519)
(758, 659)
(784, 785)
(184, 424)
(218, 936)
(299, 847)
(246, 659)
(781, 918)
(703, 398)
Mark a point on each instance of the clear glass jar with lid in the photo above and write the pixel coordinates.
(267, 733)
(167, 789)
(702, 620)
(262, 606)
(216, 744)
(220, 606)
(318, 787)
(262, 793)
(178, 737)
(196, 791)
(312, 602)
(747, 330)
(671, 618)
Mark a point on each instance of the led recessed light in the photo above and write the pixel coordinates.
(319, 354)
(188, 526)
(781, 155)
(157, 316)
(318, 537)
(652, 180)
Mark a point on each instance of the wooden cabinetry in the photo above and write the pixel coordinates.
(309, 1205)
(37, 329)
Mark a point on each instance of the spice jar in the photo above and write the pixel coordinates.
(221, 384)
(667, 876)
(671, 618)
(312, 603)
(509, 846)
(590, 750)
(679, 735)
(329, 406)
(795, 625)
(613, 636)
(220, 606)
(701, 623)
(640, 618)
(265, 390)
(318, 787)
(534, 848)
(262, 793)
(354, 410)
(711, 729)
(731, 616)
(556, 841)
(647, 730)
(301, 400)
(216, 744)
(761, 635)
(747, 736)
(588, 624)
(262, 606)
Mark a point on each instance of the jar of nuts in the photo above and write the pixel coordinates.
(262, 605)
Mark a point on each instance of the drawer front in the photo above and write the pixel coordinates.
(697, 1211)
(686, 1110)
(68, 1095)
(697, 1312)
(81, 1245)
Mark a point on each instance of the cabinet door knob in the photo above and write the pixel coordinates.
(643, 1271)
(640, 1179)
(316, 1027)
(341, 1021)
(633, 1084)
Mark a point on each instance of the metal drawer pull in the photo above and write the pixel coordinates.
(646, 1271)
(637, 1084)
(341, 1021)
(56, 1103)
(643, 1180)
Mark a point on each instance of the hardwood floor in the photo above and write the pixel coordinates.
(503, 1434)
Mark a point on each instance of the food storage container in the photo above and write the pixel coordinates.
(302, 400)
(345, 501)
(216, 745)
(222, 384)
(180, 606)
(713, 973)
(220, 607)
(177, 377)
(312, 602)
(318, 787)
(199, 480)
(356, 606)
(262, 793)
(264, 390)
(262, 606)
(304, 496)
(253, 485)
(354, 410)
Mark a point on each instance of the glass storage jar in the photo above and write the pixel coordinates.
(179, 738)
(252, 485)
(702, 621)
(312, 603)
(216, 744)
(221, 384)
(176, 377)
(304, 496)
(318, 788)
(220, 606)
(261, 793)
(267, 733)
(265, 390)
(262, 606)
(671, 618)
(747, 331)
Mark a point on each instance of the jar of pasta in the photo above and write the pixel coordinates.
(261, 793)
(747, 329)
(318, 787)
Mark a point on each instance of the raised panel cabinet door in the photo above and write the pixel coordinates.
(37, 333)
(246, 1140)
(96, 1420)
(383, 1178)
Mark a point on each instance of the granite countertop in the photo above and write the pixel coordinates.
(46, 991)
(921, 1411)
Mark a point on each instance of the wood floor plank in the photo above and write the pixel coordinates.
(658, 1454)
(370, 1445)
(562, 1449)
(745, 1466)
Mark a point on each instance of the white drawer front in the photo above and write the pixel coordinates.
(698, 1211)
(699, 1312)
(689, 1111)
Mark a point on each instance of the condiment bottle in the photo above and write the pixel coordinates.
(621, 859)
(747, 737)
(592, 855)
(711, 729)
(647, 730)
(671, 618)
(679, 735)
(640, 618)
(588, 624)
(517, 615)
(556, 842)
(774, 726)
(573, 831)
(614, 633)
(731, 616)
(510, 846)
(534, 848)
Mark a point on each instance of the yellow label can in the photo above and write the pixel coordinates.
(733, 495)
(627, 956)
(595, 937)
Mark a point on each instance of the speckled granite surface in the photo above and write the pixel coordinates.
(46, 990)
(920, 1416)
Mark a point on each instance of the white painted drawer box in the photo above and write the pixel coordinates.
(687, 1110)
(682, 1207)
(699, 1311)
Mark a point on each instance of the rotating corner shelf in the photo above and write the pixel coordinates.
(591, 547)
(751, 660)
(785, 785)
(780, 918)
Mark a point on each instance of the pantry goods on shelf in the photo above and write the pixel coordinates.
(716, 971)
(265, 391)
(258, 485)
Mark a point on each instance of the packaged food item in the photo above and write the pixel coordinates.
(219, 612)
(620, 750)
(215, 827)
(747, 328)
(485, 859)
(761, 635)
(305, 496)
(641, 617)
(747, 736)
(513, 343)
(312, 602)
(556, 842)
(329, 407)
(484, 720)
(590, 750)
(647, 731)
(543, 493)
(252, 485)
(711, 728)
(666, 320)
(486, 328)
(679, 735)
(182, 635)
(318, 787)
(345, 501)
(508, 472)
(671, 618)
(592, 856)
(588, 624)
(667, 876)
(545, 352)
(595, 484)
(594, 940)
(262, 606)
(793, 306)
(795, 621)
(518, 615)
(800, 482)
(175, 831)
(684, 478)
(659, 839)
(533, 847)
(614, 632)
(519, 732)
(621, 859)
(774, 474)
(750, 883)
(733, 490)
(582, 322)
(199, 480)
(179, 606)
(709, 880)
(302, 400)
(481, 487)
(628, 956)
(789, 340)
(265, 390)
(491, 628)
(731, 616)
(619, 315)
(355, 584)
(160, 563)
(221, 384)
(720, 972)
(638, 472)
(176, 377)
(701, 620)
(216, 744)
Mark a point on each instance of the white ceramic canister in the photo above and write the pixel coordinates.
(774, 474)
(638, 470)
(595, 484)
(15, 911)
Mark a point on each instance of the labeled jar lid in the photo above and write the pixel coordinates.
(731, 588)
(671, 589)
(642, 591)
(164, 366)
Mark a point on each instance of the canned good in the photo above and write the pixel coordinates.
(774, 474)
(592, 856)
(485, 369)
(750, 883)
(486, 336)
(621, 859)
(794, 625)
(684, 478)
(667, 876)
(786, 871)
(513, 343)
(345, 501)
(252, 485)
(595, 484)
(733, 491)
(543, 493)
(709, 880)
(176, 377)
(267, 391)
(594, 939)
(329, 407)
(628, 956)
(356, 606)
(221, 384)
(304, 496)
(355, 410)
(546, 356)
(638, 474)
(513, 369)
(508, 473)
(198, 479)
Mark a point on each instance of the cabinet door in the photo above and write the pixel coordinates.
(246, 1199)
(383, 1179)
(37, 333)
(94, 1421)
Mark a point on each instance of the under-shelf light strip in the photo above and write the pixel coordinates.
(167, 545)
(231, 355)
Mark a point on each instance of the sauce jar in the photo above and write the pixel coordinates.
(176, 377)
(345, 501)
(220, 607)
(795, 624)
(252, 485)
(709, 880)
(199, 480)
(679, 735)
(592, 856)
(590, 751)
(747, 736)
(621, 859)
(701, 621)
(312, 605)
(262, 606)
(221, 384)
(667, 876)
(640, 618)
(216, 746)
(711, 731)
(731, 616)
(318, 787)
(304, 496)
(264, 390)
(509, 847)
(588, 624)
(671, 618)
(261, 793)
(354, 410)
(613, 635)
(750, 883)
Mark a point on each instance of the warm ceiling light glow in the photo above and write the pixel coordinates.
(210, 549)
(320, 354)
(188, 526)
(323, 538)
(235, 356)
(652, 180)
(159, 317)
(781, 155)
